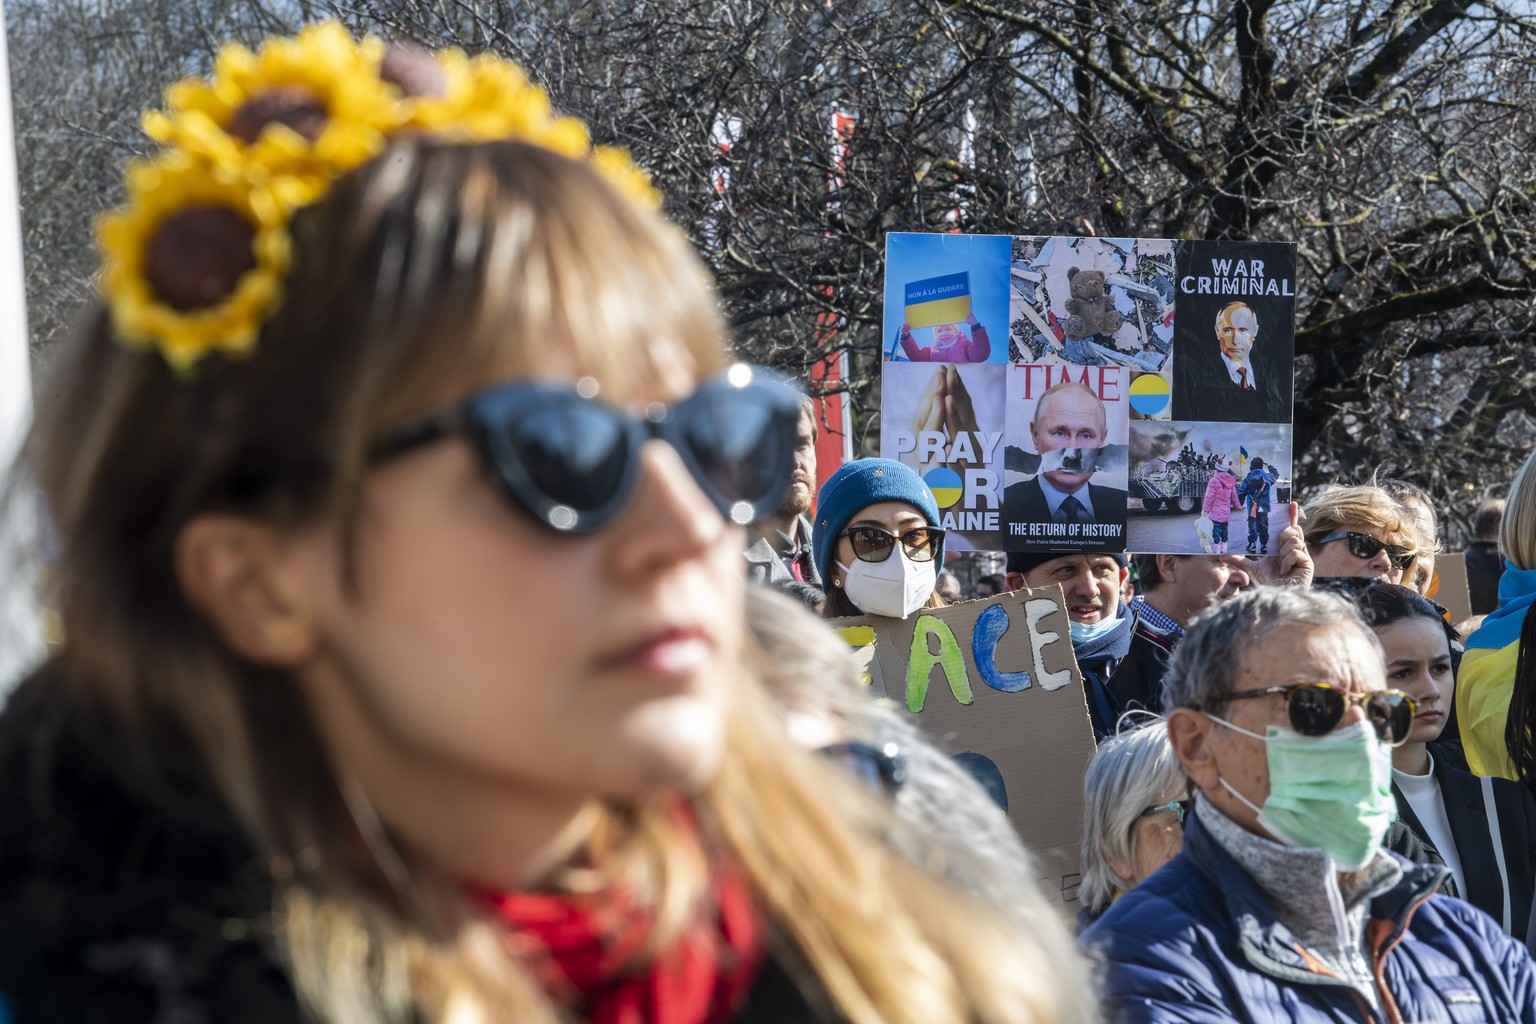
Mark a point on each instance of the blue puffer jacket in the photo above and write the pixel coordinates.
(1197, 943)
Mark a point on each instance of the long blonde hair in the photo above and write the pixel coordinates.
(415, 275)
(1517, 531)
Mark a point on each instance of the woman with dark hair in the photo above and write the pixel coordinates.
(878, 541)
(1484, 829)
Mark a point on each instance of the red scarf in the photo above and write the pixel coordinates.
(583, 948)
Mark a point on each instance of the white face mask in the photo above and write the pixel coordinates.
(1082, 632)
(896, 587)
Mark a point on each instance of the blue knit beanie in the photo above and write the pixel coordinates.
(857, 485)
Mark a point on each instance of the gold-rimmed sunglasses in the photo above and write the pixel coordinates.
(1316, 709)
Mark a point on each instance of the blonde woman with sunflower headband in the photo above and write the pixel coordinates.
(400, 478)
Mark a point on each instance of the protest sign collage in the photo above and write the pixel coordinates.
(1070, 395)
(1063, 394)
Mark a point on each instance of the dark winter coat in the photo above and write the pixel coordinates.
(1254, 488)
(1488, 871)
(1097, 660)
(127, 891)
(130, 895)
(1137, 683)
(1199, 943)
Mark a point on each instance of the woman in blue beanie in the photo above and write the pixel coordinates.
(877, 540)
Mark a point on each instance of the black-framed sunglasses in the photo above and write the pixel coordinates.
(873, 544)
(1363, 545)
(1316, 709)
(572, 462)
(1180, 809)
(882, 769)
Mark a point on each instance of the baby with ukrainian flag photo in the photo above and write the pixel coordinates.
(946, 298)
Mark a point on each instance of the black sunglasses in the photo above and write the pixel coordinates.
(882, 769)
(1316, 709)
(873, 544)
(1363, 545)
(572, 462)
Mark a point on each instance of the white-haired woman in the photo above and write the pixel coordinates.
(1135, 797)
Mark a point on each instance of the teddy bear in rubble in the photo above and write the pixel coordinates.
(1089, 306)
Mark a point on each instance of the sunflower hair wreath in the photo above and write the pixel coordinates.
(196, 259)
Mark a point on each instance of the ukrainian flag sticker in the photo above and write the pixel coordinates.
(1149, 394)
(946, 485)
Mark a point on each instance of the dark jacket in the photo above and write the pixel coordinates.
(1484, 564)
(128, 893)
(1203, 389)
(1462, 793)
(1199, 943)
(1026, 502)
(1254, 488)
(1137, 683)
(1098, 659)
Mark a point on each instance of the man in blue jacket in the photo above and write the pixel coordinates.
(1282, 906)
(1253, 492)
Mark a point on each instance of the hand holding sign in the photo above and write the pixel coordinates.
(1290, 565)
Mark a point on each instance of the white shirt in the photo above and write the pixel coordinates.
(1232, 366)
(1423, 794)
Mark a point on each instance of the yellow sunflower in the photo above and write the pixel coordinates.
(491, 98)
(157, 191)
(196, 260)
(614, 163)
(309, 106)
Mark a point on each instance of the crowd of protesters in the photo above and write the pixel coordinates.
(419, 661)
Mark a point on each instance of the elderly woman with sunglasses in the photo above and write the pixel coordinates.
(1483, 829)
(401, 477)
(877, 540)
(1358, 531)
(1135, 797)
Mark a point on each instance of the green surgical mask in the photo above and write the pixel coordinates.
(1331, 792)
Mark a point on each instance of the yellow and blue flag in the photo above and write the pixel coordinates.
(938, 300)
